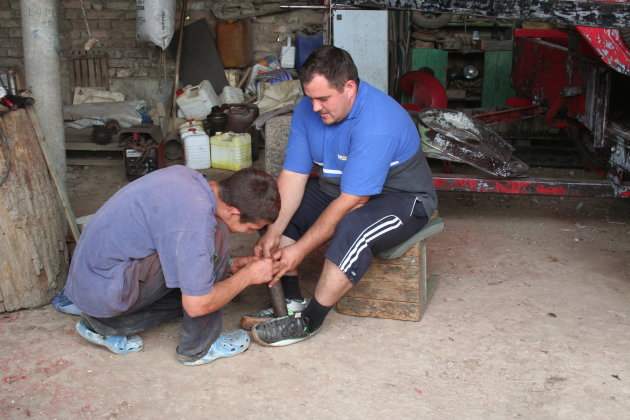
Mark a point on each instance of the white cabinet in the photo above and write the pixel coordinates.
(363, 33)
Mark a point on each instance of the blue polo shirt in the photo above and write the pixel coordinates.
(171, 212)
(375, 149)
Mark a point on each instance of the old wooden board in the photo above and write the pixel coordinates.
(93, 147)
(33, 252)
(392, 288)
(59, 187)
(388, 309)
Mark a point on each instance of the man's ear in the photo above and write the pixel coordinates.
(350, 87)
(234, 211)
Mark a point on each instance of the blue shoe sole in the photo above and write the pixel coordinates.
(228, 344)
(118, 344)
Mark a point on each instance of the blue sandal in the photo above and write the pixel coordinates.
(228, 344)
(62, 303)
(119, 344)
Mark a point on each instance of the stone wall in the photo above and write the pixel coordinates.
(135, 68)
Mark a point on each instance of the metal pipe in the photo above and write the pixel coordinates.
(40, 39)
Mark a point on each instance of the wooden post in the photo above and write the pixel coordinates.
(33, 251)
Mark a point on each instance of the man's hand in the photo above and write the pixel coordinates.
(258, 270)
(267, 244)
(288, 259)
(251, 270)
(240, 262)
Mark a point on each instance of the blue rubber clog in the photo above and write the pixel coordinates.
(118, 344)
(228, 344)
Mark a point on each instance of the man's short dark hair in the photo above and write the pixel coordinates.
(335, 64)
(254, 193)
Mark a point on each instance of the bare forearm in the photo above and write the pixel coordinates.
(291, 187)
(222, 293)
(324, 228)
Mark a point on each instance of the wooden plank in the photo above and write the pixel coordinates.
(71, 74)
(65, 201)
(399, 292)
(79, 55)
(84, 74)
(91, 72)
(93, 147)
(436, 60)
(97, 72)
(497, 78)
(104, 72)
(379, 308)
(493, 45)
(93, 162)
(566, 12)
(77, 74)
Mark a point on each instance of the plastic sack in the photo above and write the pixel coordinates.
(279, 95)
(127, 113)
(155, 21)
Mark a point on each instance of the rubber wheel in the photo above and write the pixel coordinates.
(596, 158)
(430, 20)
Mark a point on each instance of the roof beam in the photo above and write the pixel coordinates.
(603, 14)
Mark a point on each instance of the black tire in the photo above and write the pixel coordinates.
(625, 35)
(430, 20)
(594, 157)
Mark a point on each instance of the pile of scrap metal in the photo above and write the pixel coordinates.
(454, 136)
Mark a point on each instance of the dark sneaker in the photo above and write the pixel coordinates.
(293, 307)
(282, 331)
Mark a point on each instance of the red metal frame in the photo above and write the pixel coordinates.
(527, 186)
(552, 73)
(510, 115)
(609, 45)
(544, 70)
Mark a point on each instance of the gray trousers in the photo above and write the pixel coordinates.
(158, 304)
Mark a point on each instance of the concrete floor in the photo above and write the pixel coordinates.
(531, 319)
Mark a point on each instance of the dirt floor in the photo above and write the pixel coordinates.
(531, 319)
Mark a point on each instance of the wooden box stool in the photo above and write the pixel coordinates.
(396, 286)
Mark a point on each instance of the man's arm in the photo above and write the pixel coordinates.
(291, 186)
(291, 256)
(257, 272)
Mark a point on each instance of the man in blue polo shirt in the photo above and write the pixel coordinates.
(374, 190)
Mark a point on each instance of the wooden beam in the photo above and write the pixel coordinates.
(601, 14)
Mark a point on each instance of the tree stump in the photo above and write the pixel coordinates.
(33, 251)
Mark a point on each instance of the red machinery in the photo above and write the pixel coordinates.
(143, 150)
(573, 77)
(560, 74)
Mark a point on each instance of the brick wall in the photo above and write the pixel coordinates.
(134, 67)
(10, 33)
(270, 32)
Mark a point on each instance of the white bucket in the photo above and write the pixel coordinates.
(196, 149)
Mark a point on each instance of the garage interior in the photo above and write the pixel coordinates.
(530, 315)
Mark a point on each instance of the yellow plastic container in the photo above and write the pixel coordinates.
(231, 151)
